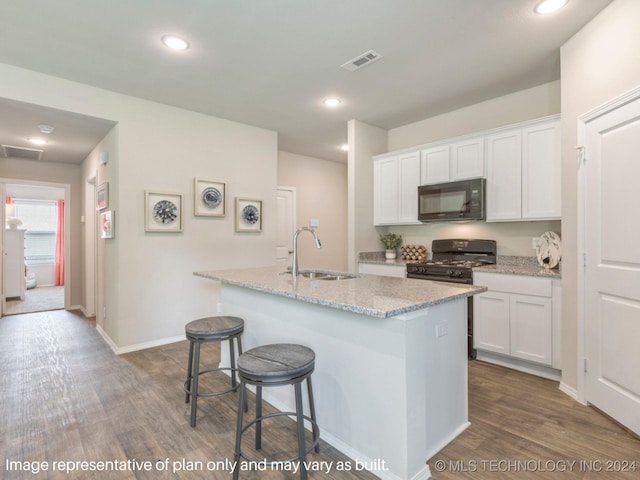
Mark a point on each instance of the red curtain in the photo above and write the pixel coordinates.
(59, 262)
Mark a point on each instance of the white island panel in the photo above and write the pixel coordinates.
(389, 391)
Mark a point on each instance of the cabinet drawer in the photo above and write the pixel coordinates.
(519, 284)
(399, 271)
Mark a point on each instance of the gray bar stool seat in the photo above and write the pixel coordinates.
(270, 366)
(205, 330)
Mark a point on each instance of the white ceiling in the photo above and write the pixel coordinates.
(269, 63)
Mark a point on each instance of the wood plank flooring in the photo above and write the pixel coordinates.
(67, 397)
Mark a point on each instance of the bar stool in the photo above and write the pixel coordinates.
(275, 365)
(206, 330)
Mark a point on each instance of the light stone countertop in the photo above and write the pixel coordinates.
(372, 295)
(509, 265)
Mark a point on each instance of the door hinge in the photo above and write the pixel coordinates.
(582, 155)
(584, 360)
(584, 259)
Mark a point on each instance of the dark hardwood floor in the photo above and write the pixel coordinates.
(67, 397)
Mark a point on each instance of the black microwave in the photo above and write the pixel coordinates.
(461, 200)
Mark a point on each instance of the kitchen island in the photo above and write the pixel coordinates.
(390, 383)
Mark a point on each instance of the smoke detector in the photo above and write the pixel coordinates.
(367, 58)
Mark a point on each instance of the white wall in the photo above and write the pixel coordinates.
(321, 193)
(600, 63)
(365, 141)
(148, 276)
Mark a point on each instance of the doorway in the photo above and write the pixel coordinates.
(35, 247)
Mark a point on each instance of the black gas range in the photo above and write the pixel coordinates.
(453, 261)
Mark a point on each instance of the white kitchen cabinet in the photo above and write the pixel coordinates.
(541, 171)
(516, 318)
(435, 165)
(396, 181)
(386, 188)
(14, 274)
(467, 159)
(523, 173)
(453, 161)
(391, 270)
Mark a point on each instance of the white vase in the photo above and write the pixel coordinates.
(390, 254)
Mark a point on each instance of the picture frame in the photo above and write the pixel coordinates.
(108, 224)
(209, 198)
(102, 196)
(248, 214)
(163, 211)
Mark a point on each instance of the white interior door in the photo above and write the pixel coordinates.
(286, 204)
(612, 271)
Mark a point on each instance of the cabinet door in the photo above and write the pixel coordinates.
(435, 165)
(531, 328)
(541, 171)
(491, 322)
(409, 165)
(385, 195)
(467, 159)
(504, 164)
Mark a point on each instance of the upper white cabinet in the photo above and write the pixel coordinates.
(396, 181)
(523, 173)
(467, 159)
(453, 161)
(435, 165)
(521, 163)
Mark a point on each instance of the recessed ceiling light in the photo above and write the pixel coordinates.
(175, 43)
(344, 147)
(331, 102)
(549, 6)
(44, 128)
(37, 141)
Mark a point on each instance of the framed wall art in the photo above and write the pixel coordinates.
(102, 196)
(209, 198)
(248, 215)
(108, 224)
(162, 211)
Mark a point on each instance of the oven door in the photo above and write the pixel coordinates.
(440, 278)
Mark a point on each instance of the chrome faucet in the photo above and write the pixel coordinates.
(294, 268)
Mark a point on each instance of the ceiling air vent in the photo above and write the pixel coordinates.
(10, 151)
(360, 61)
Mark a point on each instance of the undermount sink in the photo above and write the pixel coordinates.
(320, 275)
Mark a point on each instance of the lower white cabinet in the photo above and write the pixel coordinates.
(394, 270)
(517, 318)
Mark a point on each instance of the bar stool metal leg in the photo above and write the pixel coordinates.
(242, 401)
(232, 360)
(189, 371)
(194, 386)
(258, 415)
(312, 414)
(302, 451)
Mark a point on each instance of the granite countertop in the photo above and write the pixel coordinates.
(517, 265)
(372, 295)
(507, 264)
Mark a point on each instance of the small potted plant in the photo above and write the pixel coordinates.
(391, 242)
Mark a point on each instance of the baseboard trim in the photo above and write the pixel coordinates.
(520, 365)
(570, 391)
(138, 346)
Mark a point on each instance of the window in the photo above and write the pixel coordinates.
(39, 218)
